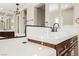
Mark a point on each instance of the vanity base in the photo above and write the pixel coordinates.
(7, 34)
(65, 48)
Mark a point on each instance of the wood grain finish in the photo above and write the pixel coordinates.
(42, 43)
(63, 48)
(7, 34)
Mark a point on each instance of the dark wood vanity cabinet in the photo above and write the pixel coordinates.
(68, 47)
(7, 34)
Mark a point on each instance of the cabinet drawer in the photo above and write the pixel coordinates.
(64, 48)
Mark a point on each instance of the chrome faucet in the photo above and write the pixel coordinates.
(55, 27)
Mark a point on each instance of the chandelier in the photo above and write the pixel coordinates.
(17, 9)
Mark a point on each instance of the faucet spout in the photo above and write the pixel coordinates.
(55, 27)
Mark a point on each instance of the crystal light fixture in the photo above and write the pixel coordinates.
(17, 10)
(17, 15)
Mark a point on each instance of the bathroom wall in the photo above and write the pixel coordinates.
(68, 16)
(31, 19)
(31, 12)
(76, 13)
(47, 22)
(53, 15)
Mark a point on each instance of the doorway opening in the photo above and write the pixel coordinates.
(40, 14)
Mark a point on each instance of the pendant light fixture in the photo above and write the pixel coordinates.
(17, 9)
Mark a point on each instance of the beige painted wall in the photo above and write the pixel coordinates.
(30, 14)
(68, 16)
(53, 16)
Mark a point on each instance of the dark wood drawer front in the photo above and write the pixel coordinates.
(64, 48)
(42, 43)
(7, 34)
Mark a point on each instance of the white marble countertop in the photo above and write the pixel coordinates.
(51, 37)
(15, 47)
